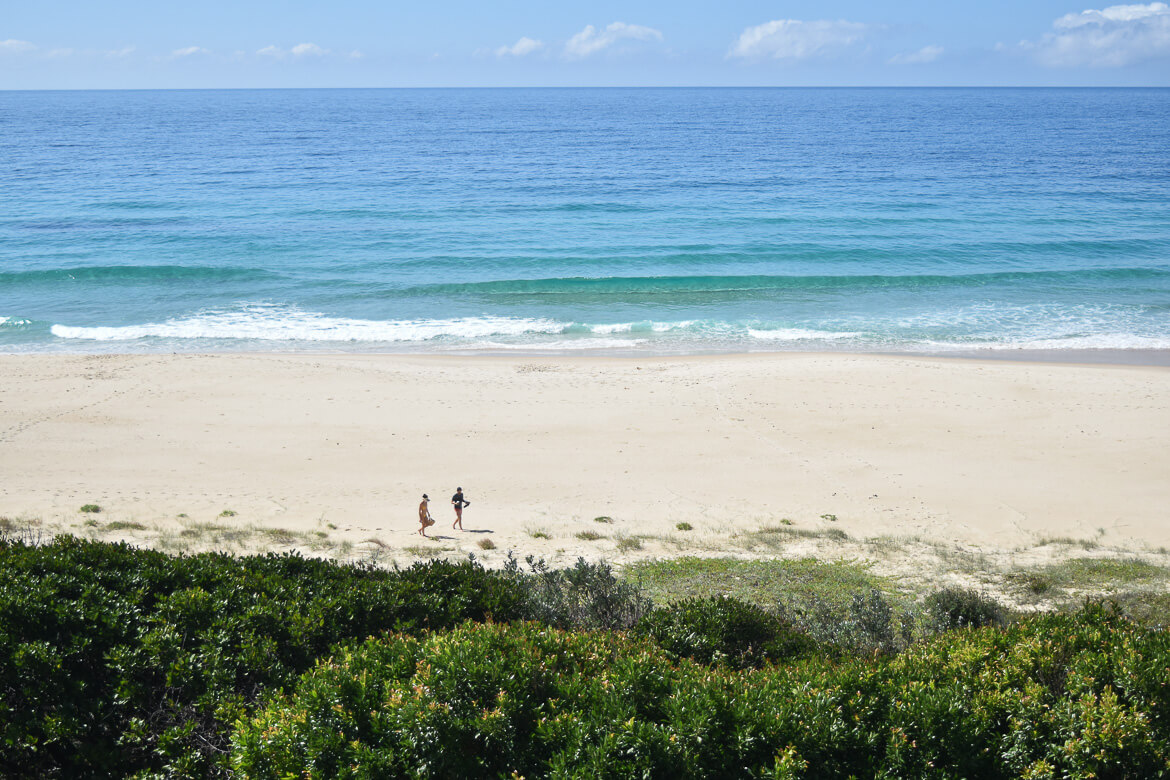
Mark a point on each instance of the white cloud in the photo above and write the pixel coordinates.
(922, 56)
(591, 40)
(794, 39)
(308, 50)
(1111, 37)
(190, 51)
(520, 48)
(300, 51)
(13, 46)
(118, 54)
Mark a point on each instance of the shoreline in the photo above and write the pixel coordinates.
(1087, 357)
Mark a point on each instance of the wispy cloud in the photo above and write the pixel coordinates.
(13, 46)
(1111, 37)
(520, 48)
(300, 51)
(795, 39)
(308, 50)
(592, 40)
(189, 51)
(24, 47)
(921, 57)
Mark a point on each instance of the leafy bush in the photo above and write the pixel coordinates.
(585, 596)
(90, 508)
(867, 625)
(952, 608)
(115, 660)
(1066, 696)
(723, 630)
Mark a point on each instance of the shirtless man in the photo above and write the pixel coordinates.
(424, 516)
(459, 502)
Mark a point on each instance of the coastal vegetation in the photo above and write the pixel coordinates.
(124, 662)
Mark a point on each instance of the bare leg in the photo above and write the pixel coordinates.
(458, 518)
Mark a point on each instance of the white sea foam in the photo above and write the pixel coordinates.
(1096, 341)
(559, 345)
(620, 327)
(641, 327)
(273, 323)
(801, 334)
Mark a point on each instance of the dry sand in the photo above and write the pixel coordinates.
(331, 453)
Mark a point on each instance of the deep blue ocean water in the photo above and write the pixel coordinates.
(657, 220)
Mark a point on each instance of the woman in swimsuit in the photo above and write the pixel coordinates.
(424, 516)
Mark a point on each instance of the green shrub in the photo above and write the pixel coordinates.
(684, 526)
(585, 596)
(628, 543)
(723, 630)
(1063, 696)
(952, 608)
(90, 508)
(115, 661)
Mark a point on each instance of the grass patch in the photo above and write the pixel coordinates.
(1091, 573)
(486, 544)
(1068, 541)
(90, 509)
(684, 526)
(830, 518)
(795, 583)
(423, 551)
(603, 519)
(589, 536)
(628, 543)
(538, 534)
(201, 530)
(774, 537)
(125, 525)
(280, 535)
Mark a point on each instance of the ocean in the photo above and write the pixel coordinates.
(588, 221)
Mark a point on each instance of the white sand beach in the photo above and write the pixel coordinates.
(340, 447)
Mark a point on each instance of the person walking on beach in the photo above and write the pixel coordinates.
(458, 502)
(424, 516)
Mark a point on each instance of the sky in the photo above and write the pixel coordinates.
(148, 44)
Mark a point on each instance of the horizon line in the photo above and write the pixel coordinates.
(590, 86)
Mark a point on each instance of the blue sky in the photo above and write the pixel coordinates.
(49, 44)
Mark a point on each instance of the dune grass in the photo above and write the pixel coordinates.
(768, 583)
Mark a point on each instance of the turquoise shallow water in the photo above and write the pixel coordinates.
(666, 221)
